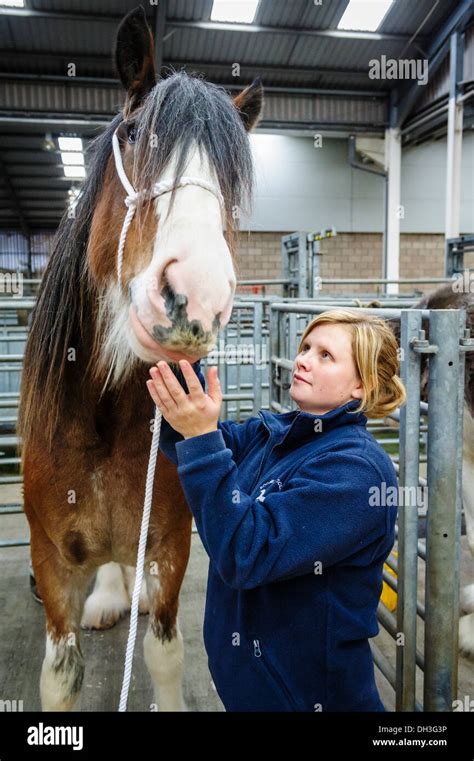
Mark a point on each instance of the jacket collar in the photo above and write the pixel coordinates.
(301, 425)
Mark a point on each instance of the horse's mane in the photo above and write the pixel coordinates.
(58, 316)
(181, 110)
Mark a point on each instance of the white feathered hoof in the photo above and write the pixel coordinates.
(466, 601)
(466, 635)
(109, 601)
(103, 609)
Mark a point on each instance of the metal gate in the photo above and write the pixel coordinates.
(255, 357)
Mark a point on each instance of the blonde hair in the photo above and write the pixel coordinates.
(375, 354)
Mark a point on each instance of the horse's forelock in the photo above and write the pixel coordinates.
(183, 111)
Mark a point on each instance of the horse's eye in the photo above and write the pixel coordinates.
(132, 134)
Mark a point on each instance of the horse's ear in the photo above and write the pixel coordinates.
(135, 58)
(249, 103)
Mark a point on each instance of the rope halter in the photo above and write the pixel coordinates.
(133, 197)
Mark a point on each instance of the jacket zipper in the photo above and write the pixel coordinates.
(264, 460)
(276, 678)
(265, 457)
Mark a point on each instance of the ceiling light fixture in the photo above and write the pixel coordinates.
(364, 15)
(237, 11)
(74, 172)
(70, 143)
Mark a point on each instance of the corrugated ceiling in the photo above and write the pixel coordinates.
(313, 81)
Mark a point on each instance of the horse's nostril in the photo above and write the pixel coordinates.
(164, 274)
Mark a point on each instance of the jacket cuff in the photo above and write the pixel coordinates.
(199, 446)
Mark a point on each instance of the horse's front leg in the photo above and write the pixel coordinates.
(163, 642)
(62, 589)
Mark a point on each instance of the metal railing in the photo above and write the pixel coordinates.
(269, 328)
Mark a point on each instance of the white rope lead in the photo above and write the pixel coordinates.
(131, 202)
(132, 634)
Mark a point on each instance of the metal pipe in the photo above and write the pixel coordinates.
(423, 119)
(421, 481)
(442, 566)
(14, 543)
(408, 517)
(383, 664)
(14, 303)
(13, 509)
(389, 623)
(274, 325)
(53, 121)
(466, 96)
(391, 314)
(393, 584)
(382, 280)
(421, 546)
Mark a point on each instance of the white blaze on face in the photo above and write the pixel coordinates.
(191, 247)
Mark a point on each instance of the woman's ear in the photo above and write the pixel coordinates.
(249, 104)
(135, 58)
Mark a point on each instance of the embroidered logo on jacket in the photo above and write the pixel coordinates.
(263, 489)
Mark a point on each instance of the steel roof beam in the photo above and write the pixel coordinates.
(53, 16)
(44, 58)
(328, 34)
(290, 90)
(216, 26)
(436, 54)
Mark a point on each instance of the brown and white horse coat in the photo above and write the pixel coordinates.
(85, 413)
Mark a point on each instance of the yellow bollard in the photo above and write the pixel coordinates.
(389, 596)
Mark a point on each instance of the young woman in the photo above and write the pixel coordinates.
(290, 509)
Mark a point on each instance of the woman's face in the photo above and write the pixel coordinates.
(329, 374)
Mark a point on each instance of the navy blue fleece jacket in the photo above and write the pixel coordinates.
(287, 508)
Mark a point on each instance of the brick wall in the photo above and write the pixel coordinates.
(348, 255)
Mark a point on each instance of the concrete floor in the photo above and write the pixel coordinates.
(22, 637)
(387, 645)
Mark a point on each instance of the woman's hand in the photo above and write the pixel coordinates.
(190, 414)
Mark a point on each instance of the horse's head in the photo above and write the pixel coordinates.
(178, 280)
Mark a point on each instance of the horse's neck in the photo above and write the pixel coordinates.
(93, 418)
(91, 394)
